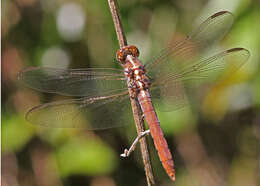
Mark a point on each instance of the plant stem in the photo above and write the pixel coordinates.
(137, 112)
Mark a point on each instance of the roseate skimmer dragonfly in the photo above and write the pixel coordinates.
(163, 78)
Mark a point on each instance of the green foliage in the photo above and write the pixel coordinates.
(88, 156)
(16, 133)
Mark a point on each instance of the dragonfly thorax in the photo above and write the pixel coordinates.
(134, 70)
(136, 74)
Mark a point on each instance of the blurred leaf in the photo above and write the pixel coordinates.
(257, 91)
(176, 121)
(246, 34)
(85, 156)
(15, 133)
(50, 35)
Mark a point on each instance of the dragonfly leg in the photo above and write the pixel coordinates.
(132, 148)
(143, 119)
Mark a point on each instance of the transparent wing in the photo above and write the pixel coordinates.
(170, 89)
(190, 49)
(90, 113)
(170, 96)
(74, 82)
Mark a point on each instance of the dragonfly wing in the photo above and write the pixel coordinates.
(74, 82)
(190, 49)
(171, 89)
(170, 96)
(90, 113)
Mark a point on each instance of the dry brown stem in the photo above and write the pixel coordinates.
(137, 112)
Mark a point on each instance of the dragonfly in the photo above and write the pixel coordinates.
(98, 92)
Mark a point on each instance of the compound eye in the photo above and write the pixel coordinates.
(127, 50)
(120, 56)
(134, 50)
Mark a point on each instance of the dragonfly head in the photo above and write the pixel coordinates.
(127, 50)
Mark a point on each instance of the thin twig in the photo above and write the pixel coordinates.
(127, 152)
(137, 112)
(117, 22)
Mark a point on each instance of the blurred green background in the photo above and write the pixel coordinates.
(217, 145)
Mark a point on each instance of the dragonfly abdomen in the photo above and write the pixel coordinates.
(156, 133)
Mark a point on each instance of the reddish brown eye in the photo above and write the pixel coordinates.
(134, 51)
(120, 56)
(127, 50)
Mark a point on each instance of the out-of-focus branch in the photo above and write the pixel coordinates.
(137, 112)
(197, 161)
